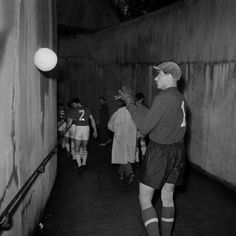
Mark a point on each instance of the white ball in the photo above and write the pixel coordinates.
(45, 59)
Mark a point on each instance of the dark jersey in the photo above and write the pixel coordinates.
(104, 114)
(165, 122)
(80, 116)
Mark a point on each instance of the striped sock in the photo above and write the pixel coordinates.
(67, 145)
(73, 155)
(63, 143)
(137, 154)
(151, 221)
(72, 145)
(84, 158)
(77, 157)
(167, 220)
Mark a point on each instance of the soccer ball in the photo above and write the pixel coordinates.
(45, 59)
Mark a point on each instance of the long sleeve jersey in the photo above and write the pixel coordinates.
(165, 122)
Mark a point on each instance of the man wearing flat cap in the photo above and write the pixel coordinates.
(163, 164)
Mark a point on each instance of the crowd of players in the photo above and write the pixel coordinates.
(75, 120)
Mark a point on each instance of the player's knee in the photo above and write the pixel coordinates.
(145, 201)
(167, 198)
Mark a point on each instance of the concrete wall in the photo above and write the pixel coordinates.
(27, 108)
(199, 35)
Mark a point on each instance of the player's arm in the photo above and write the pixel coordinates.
(95, 134)
(147, 121)
(68, 122)
(60, 123)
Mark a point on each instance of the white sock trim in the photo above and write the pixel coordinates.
(150, 221)
(167, 219)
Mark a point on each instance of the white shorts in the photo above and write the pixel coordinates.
(70, 132)
(81, 133)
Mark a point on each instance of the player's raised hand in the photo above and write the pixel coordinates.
(126, 94)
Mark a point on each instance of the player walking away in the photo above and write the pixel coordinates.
(163, 164)
(80, 117)
(60, 111)
(67, 132)
(61, 124)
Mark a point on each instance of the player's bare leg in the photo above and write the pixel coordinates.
(84, 152)
(77, 151)
(67, 144)
(148, 212)
(168, 209)
(72, 147)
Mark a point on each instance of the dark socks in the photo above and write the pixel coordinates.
(151, 221)
(167, 220)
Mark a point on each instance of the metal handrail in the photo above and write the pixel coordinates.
(5, 217)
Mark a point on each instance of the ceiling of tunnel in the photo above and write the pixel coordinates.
(83, 16)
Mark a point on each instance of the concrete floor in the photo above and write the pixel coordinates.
(96, 202)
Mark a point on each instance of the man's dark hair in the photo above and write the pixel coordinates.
(121, 102)
(76, 100)
(103, 98)
(139, 96)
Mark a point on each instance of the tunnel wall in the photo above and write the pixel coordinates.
(199, 35)
(27, 108)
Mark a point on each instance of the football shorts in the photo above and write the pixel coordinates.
(81, 133)
(163, 163)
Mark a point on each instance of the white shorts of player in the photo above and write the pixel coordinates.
(81, 132)
(70, 132)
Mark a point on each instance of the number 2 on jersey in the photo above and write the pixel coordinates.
(183, 124)
(81, 118)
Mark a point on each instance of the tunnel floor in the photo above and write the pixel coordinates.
(96, 202)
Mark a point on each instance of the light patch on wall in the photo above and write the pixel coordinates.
(7, 12)
(218, 120)
(219, 76)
